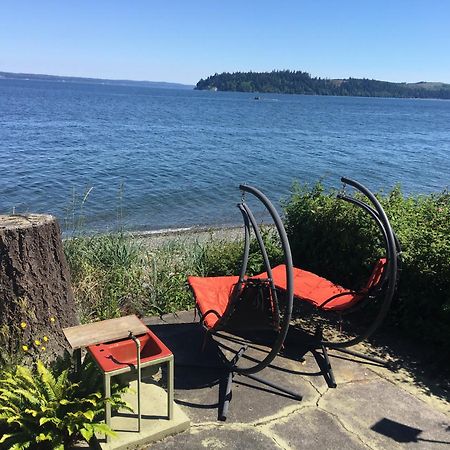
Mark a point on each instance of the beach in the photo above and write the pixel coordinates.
(153, 239)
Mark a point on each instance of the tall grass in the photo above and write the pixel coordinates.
(115, 274)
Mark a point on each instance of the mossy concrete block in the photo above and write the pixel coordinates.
(155, 423)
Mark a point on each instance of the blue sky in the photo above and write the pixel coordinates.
(183, 41)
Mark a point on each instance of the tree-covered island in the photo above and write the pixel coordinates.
(298, 82)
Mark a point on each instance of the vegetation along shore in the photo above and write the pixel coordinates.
(298, 82)
(119, 273)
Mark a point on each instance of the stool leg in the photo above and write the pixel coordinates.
(77, 359)
(170, 388)
(108, 404)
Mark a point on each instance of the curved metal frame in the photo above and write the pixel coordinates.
(389, 274)
(289, 274)
(250, 221)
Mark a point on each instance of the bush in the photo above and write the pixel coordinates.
(339, 241)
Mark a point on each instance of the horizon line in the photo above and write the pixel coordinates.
(93, 78)
(129, 80)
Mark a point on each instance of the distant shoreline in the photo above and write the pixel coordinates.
(87, 80)
(298, 82)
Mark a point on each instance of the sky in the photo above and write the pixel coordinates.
(183, 41)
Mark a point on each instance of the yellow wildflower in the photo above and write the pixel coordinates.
(23, 325)
(25, 348)
(45, 339)
(43, 348)
(52, 319)
(37, 342)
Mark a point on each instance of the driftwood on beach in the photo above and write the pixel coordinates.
(36, 299)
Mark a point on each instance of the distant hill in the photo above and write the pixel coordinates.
(63, 79)
(290, 82)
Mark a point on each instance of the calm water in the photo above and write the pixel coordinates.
(173, 158)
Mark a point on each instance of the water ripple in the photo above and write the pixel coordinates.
(169, 158)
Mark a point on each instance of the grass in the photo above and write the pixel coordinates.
(115, 274)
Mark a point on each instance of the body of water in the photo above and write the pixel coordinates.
(156, 158)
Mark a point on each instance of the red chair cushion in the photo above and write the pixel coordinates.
(212, 293)
(314, 289)
(377, 273)
(317, 290)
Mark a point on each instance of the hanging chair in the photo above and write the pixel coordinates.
(328, 297)
(241, 303)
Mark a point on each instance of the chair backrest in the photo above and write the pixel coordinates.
(377, 274)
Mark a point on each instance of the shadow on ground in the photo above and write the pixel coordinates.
(366, 410)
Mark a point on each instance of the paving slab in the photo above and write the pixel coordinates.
(315, 429)
(236, 439)
(385, 416)
(155, 424)
(346, 368)
(197, 387)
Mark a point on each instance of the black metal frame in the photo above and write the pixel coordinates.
(387, 284)
(384, 288)
(232, 366)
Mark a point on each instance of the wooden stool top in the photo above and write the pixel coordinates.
(104, 331)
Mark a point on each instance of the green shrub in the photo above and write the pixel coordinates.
(42, 410)
(339, 241)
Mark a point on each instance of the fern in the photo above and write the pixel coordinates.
(44, 409)
(48, 381)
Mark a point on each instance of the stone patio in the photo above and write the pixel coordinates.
(366, 410)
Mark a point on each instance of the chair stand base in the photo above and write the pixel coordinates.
(226, 395)
(328, 370)
(323, 360)
(325, 364)
(363, 356)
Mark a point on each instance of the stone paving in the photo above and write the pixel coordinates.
(365, 411)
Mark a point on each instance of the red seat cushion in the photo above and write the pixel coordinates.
(317, 290)
(314, 289)
(377, 273)
(212, 294)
